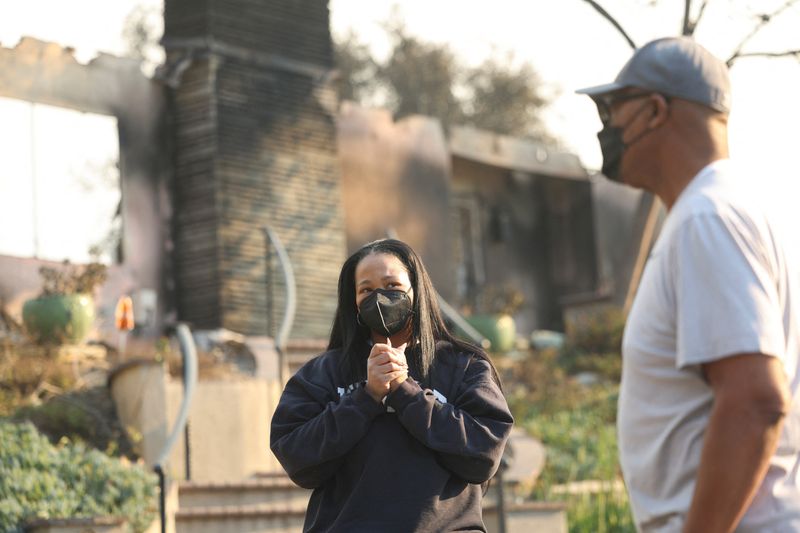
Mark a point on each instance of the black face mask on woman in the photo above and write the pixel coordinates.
(385, 311)
(613, 146)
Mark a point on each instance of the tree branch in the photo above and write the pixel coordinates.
(612, 20)
(699, 16)
(765, 19)
(785, 53)
(687, 23)
(689, 26)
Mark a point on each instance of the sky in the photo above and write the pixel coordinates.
(71, 170)
(566, 41)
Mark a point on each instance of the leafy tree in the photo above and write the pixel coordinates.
(141, 32)
(421, 78)
(425, 78)
(506, 99)
(353, 59)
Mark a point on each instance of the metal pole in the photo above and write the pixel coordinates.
(189, 353)
(162, 497)
(501, 503)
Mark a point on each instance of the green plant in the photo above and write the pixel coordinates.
(602, 512)
(63, 313)
(72, 279)
(594, 344)
(539, 385)
(581, 442)
(599, 331)
(577, 425)
(581, 445)
(40, 480)
(607, 365)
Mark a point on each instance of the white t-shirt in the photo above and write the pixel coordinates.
(719, 282)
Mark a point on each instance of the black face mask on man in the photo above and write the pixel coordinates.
(385, 311)
(613, 146)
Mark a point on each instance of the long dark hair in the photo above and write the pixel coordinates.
(428, 327)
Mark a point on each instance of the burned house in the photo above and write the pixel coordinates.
(108, 97)
(235, 133)
(489, 213)
(241, 130)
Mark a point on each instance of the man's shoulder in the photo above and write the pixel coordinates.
(724, 191)
(727, 205)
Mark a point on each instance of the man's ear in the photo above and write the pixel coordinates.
(660, 110)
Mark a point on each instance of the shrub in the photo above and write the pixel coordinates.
(603, 512)
(39, 480)
(594, 343)
(576, 424)
(599, 331)
(581, 443)
(86, 415)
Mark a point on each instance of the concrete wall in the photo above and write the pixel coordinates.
(46, 73)
(139, 391)
(395, 175)
(229, 421)
(229, 428)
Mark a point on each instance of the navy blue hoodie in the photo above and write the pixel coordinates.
(414, 464)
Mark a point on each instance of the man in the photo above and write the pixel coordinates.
(709, 436)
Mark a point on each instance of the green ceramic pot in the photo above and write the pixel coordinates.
(499, 329)
(61, 319)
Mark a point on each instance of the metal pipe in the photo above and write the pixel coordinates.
(189, 353)
(189, 383)
(291, 301)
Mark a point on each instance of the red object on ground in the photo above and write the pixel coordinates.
(123, 316)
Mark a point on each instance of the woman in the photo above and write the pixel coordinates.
(398, 424)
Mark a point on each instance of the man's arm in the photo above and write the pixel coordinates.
(751, 400)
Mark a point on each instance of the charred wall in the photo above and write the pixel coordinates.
(255, 145)
(47, 73)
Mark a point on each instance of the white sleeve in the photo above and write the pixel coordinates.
(726, 291)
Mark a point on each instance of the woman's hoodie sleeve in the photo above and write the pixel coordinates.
(314, 427)
(469, 434)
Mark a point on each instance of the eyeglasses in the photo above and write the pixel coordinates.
(606, 101)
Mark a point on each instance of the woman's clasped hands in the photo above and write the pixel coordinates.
(386, 369)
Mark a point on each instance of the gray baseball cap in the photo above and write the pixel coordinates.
(674, 66)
